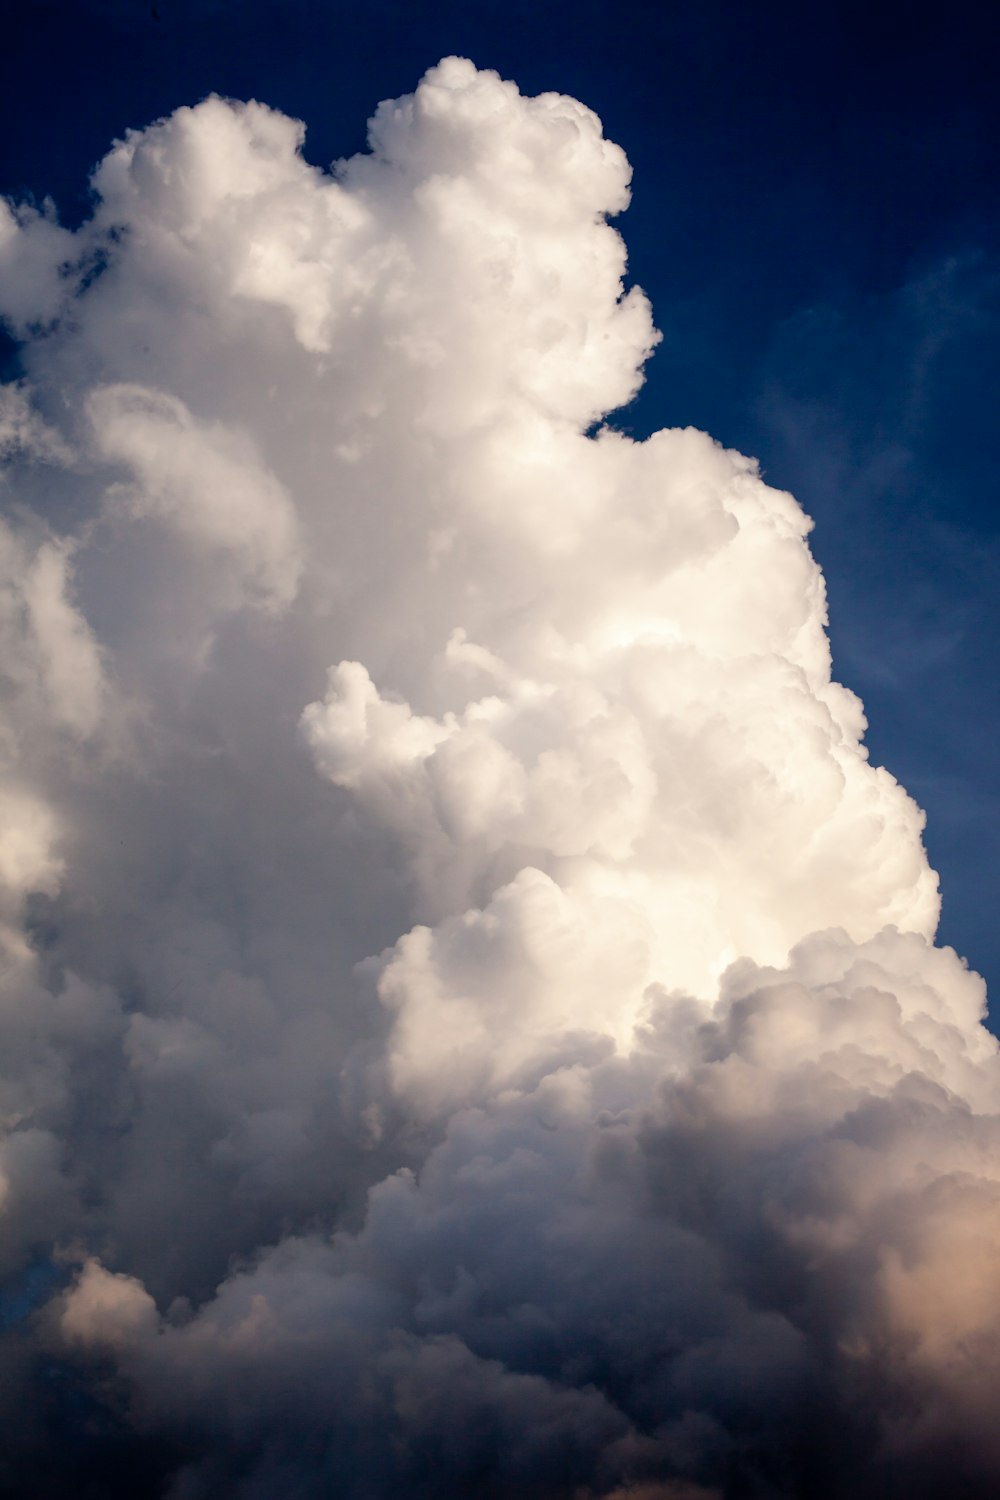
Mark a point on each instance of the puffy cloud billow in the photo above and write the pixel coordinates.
(471, 1020)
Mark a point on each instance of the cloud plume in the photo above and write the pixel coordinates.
(471, 1019)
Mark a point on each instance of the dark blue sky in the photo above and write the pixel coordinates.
(815, 220)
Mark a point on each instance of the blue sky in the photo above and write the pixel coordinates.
(814, 219)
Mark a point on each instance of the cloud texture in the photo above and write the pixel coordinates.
(471, 1023)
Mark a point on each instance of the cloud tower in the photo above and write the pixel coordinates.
(471, 1021)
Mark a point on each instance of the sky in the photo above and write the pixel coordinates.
(497, 558)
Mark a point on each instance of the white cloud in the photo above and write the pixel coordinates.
(471, 1002)
(204, 480)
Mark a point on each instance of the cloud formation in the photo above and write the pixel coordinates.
(471, 1020)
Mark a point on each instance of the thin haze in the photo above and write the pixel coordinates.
(472, 1023)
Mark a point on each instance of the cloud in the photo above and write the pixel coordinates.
(205, 483)
(472, 1022)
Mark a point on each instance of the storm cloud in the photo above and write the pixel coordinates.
(471, 1022)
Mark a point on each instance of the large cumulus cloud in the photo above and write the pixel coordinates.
(471, 1021)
